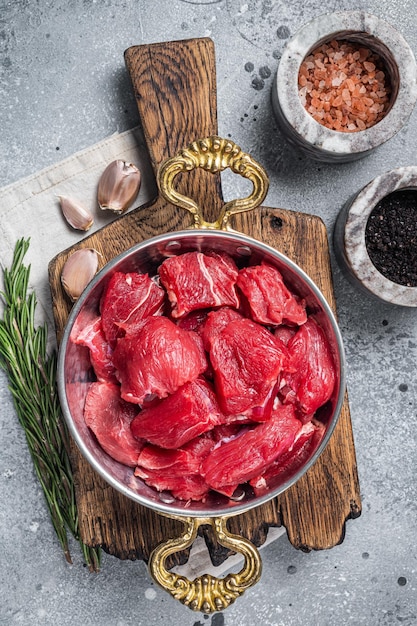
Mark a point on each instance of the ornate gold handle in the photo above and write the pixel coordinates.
(213, 154)
(206, 593)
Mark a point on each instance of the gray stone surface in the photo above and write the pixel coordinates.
(64, 86)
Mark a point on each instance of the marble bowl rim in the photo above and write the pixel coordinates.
(359, 210)
(324, 28)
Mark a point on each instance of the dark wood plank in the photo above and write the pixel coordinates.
(175, 89)
(314, 511)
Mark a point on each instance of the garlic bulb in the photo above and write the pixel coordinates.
(118, 186)
(76, 215)
(78, 270)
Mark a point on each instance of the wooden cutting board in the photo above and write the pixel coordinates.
(175, 88)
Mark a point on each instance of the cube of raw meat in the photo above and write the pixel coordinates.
(215, 322)
(285, 332)
(195, 280)
(128, 298)
(182, 486)
(267, 298)
(177, 471)
(101, 354)
(157, 357)
(311, 382)
(247, 361)
(287, 464)
(193, 321)
(110, 417)
(188, 412)
(249, 453)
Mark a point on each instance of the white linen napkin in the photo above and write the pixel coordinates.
(30, 207)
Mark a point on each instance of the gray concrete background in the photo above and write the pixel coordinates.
(63, 87)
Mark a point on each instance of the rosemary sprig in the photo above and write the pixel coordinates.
(32, 381)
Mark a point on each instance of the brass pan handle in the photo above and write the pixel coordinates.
(206, 593)
(213, 154)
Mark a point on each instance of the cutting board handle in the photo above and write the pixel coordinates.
(175, 90)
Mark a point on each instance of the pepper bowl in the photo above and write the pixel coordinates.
(205, 593)
(350, 244)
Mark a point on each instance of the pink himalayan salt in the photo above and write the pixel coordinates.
(344, 86)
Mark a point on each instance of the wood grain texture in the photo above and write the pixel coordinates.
(175, 90)
(314, 511)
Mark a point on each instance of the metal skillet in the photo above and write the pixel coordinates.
(206, 593)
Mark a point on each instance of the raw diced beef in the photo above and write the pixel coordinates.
(221, 390)
(177, 471)
(248, 455)
(247, 361)
(173, 422)
(199, 281)
(193, 321)
(101, 354)
(216, 321)
(182, 486)
(285, 333)
(312, 380)
(110, 417)
(225, 432)
(267, 298)
(189, 457)
(154, 458)
(287, 464)
(128, 298)
(157, 357)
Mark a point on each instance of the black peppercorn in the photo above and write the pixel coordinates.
(391, 237)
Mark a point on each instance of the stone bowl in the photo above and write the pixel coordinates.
(301, 129)
(349, 240)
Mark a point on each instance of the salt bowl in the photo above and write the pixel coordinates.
(394, 65)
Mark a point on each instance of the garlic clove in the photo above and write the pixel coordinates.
(118, 186)
(78, 270)
(76, 215)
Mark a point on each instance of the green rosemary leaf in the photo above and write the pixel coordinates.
(32, 381)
